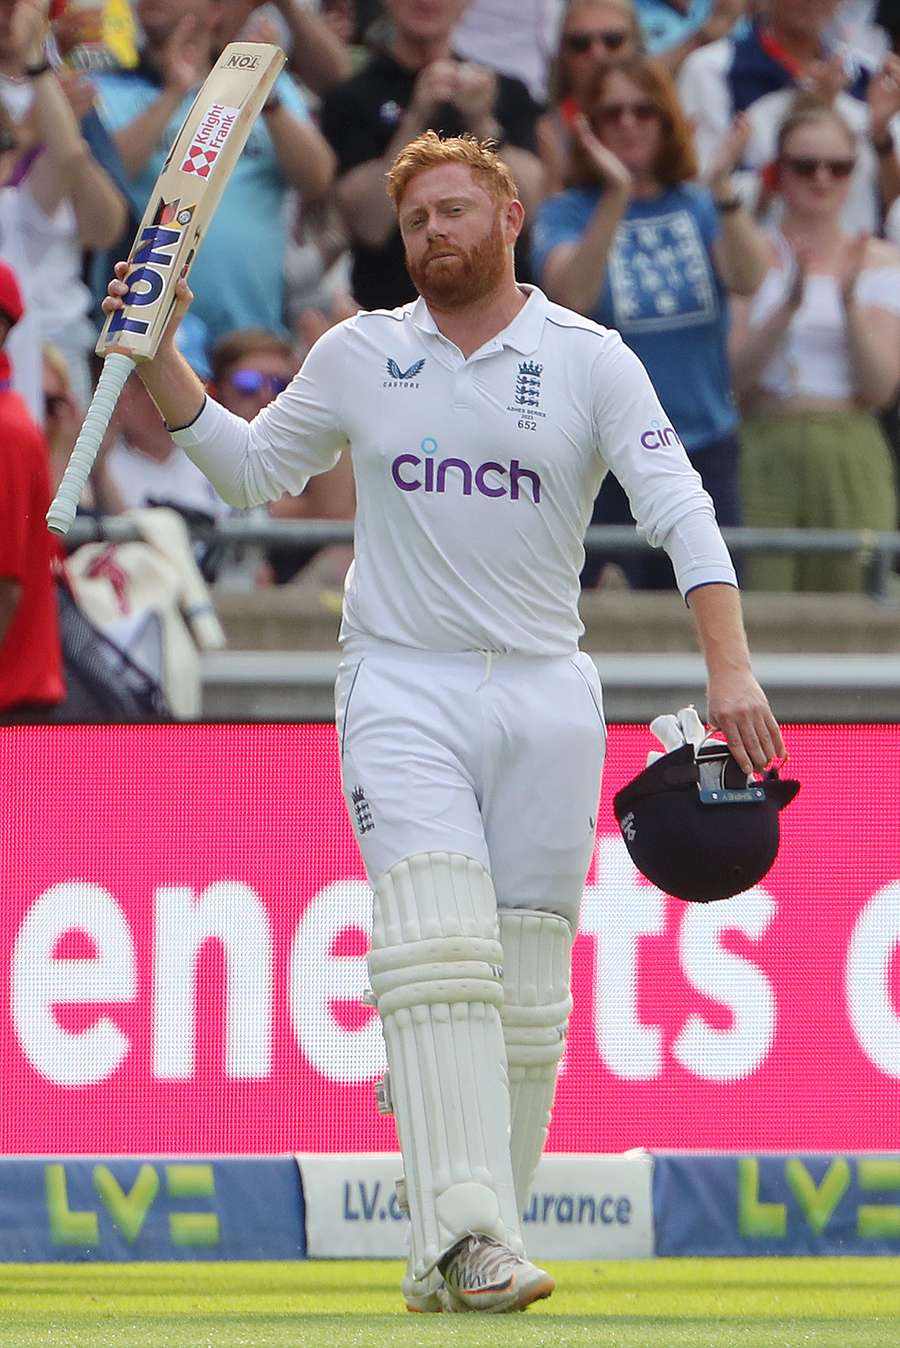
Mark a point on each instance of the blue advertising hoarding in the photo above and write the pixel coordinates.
(132, 1208)
(776, 1204)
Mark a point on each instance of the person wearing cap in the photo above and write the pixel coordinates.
(31, 675)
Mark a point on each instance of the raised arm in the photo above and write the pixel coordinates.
(884, 106)
(719, 23)
(318, 57)
(365, 207)
(873, 331)
(65, 168)
(574, 272)
(304, 155)
(752, 346)
(249, 463)
(183, 63)
(741, 252)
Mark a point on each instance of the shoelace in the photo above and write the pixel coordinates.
(492, 1256)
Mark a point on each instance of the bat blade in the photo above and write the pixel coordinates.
(186, 194)
(182, 203)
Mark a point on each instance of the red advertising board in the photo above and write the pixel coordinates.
(183, 929)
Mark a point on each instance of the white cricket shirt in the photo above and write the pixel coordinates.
(475, 478)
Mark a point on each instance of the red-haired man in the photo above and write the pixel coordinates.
(481, 420)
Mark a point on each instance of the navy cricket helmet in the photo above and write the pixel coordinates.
(697, 827)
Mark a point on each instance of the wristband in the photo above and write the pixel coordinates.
(728, 205)
(32, 72)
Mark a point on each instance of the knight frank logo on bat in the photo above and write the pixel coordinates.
(157, 247)
(212, 133)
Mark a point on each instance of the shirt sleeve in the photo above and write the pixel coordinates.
(705, 97)
(641, 447)
(299, 434)
(559, 220)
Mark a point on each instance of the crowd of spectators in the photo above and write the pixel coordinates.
(717, 179)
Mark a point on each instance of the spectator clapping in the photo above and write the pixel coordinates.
(816, 354)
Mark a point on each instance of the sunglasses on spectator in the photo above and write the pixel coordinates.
(611, 114)
(579, 43)
(254, 381)
(808, 168)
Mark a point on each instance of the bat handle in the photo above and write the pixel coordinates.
(116, 369)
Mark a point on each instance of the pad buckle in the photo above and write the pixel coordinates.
(383, 1098)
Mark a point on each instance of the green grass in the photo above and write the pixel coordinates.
(662, 1303)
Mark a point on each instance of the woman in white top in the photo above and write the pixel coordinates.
(816, 353)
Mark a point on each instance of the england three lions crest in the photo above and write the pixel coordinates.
(527, 395)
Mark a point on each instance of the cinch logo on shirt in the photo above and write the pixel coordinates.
(423, 472)
(659, 436)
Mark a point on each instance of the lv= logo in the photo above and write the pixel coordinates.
(129, 1208)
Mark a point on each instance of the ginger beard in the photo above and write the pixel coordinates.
(464, 277)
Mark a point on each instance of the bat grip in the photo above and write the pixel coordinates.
(116, 369)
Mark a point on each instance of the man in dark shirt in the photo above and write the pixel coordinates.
(412, 84)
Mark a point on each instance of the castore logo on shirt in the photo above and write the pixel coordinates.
(403, 378)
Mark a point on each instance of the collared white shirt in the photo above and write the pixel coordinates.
(475, 477)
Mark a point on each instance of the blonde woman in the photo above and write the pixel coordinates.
(816, 354)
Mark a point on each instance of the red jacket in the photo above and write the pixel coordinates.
(30, 655)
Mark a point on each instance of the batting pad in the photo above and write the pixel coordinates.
(537, 950)
(435, 967)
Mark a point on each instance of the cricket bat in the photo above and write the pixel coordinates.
(184, 198)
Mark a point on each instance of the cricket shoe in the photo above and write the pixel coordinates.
(423, 1294)
(480, 1274)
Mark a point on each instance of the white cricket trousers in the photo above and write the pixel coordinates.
(497, 757)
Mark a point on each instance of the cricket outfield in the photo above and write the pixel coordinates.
(657, 1303)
